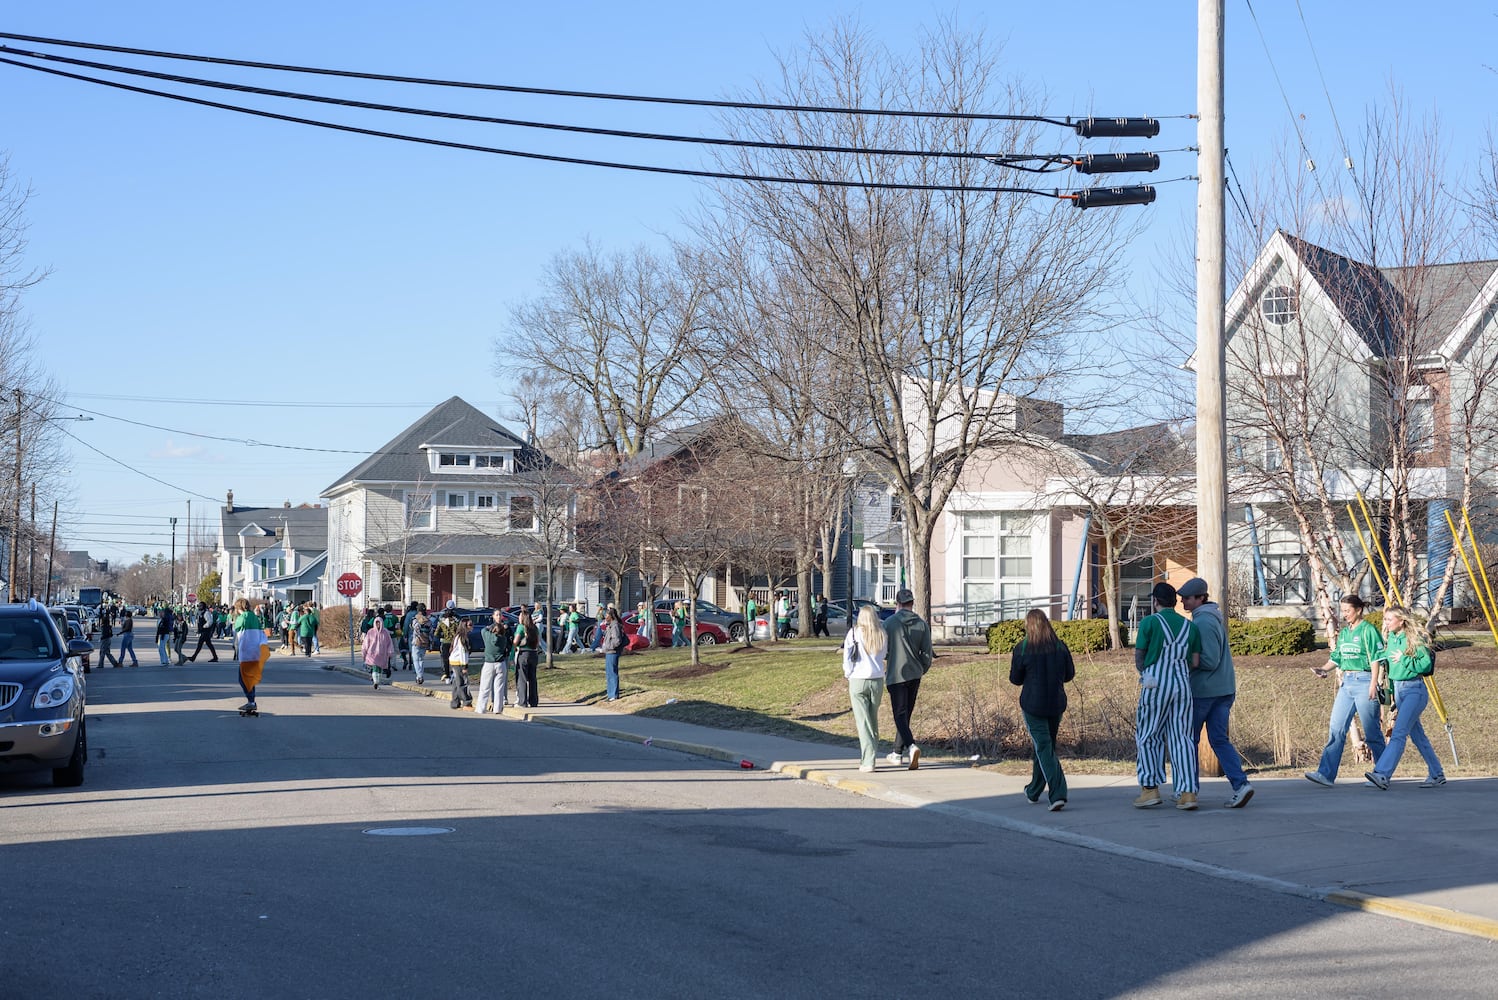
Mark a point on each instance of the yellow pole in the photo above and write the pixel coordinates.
(1482, 572)
(1476, 587)
(1379, 548)
(1372, 566)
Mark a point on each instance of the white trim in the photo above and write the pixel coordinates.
(1466, 327)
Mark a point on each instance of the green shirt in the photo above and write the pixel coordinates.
(1357, 647)
(1151, 637)
(1405, 665)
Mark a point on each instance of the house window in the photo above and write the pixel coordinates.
(1136, 573)
(484, 501)
(1280, 305)
(522, 514)
(418, 510)
(457, 501)
(1283, 400)
(1420, 422)
(454, 460)
(280, 567)
(264, 569)
(996, 561)
(390, 584)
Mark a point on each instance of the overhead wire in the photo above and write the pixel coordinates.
(1284, 95)
(544, 157)
(1331, 106)
(1064, 121)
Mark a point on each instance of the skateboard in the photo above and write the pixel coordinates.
(249, 711)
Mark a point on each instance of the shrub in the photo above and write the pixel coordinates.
(1270, 636)
(1085, 635)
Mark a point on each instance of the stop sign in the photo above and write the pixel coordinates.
(349, 585)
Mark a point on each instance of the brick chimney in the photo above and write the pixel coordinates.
(229, 503)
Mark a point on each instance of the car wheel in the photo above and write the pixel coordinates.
(71, 774)
(736, 631)
(706, 639)
(790, 633)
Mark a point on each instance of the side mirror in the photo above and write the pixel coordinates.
(79, 647)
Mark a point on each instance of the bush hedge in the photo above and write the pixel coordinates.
(1270, 636)
(1085, 635)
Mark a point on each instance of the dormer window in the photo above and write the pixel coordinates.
(472, 461)
(458, 459)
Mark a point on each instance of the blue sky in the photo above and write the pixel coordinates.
(200, 255)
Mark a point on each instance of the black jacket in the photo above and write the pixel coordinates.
(1040, 676)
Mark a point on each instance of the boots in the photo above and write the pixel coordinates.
(1149, 798)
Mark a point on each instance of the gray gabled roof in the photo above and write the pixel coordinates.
(439, 548)
(452, 424)
(1377, 301)
(304, 528)
(309, 573)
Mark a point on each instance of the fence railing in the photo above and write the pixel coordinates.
(974, 617)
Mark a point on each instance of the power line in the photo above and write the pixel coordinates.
(1064, 121)
(1346, 153)
(544, 157)
(1057, 161)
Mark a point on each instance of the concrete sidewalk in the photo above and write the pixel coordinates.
(1424, 855)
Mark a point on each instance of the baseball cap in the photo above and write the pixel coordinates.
(1194, 587)
(1164, 593)
(452, 604)
(904, 596)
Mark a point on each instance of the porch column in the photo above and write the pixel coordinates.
(480, 586)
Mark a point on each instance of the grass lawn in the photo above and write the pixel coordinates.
(968, 707)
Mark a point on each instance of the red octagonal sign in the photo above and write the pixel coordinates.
(349, 585)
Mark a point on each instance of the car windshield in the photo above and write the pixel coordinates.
(27, 639)
(710, 607)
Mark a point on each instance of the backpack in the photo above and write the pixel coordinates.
(424, 630)
(390, 623)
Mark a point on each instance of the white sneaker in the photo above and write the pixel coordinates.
(895, 758)
(1316, 777)
(1240, 797)
(915, 756)
(866, 768)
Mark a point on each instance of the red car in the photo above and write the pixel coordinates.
(707, 633)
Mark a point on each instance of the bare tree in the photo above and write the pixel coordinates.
(613, 334)
(948, 305)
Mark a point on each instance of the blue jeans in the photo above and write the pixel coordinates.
(419, 661)
(1410, 697)
(1214, 712)
(611, 671)
(127, 645)
(163, 646)
(678, 636)
(1352, 698)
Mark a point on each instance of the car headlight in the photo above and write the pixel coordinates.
(57, 691)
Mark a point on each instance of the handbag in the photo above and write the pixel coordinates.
(459, 656)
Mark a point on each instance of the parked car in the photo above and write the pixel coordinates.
(70, 630)
(42, 695)
(707, 633)
(708, 612)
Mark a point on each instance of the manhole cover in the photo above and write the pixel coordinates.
(408, 831)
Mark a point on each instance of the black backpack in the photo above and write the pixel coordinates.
(425, 631)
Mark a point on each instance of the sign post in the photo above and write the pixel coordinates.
(350, 586)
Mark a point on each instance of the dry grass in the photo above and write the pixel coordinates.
(967, 706)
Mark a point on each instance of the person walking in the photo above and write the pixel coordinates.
(1166, 649)
(1410, 662)
(612, 645)
(166, 622)
(447, 629)
(573, 620)
(407, 618)
(377, 648)
(457, 658)
(783, 616)
(251, 649)
(527, 641)
(106, 634)
(679, 625)
(1214, 687)
(864, 666)
(421, 641)
(306, 627)
(907, 659)
(207, 622)
(494, 679)
(293, 628)
(1041, 666)
(316, 618)
(127, 638)
(1356, 653)
(819, 618)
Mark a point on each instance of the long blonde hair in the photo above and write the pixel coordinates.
(870, 632)
(1415, 635)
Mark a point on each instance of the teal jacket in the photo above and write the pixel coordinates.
(1212, 677)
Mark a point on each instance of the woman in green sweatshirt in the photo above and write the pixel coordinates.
(1355, 651)
(1410, 661)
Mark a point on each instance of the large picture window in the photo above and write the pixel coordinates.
(997, 565)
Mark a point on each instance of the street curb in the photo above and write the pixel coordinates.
(1417, 913)
(1424, 914)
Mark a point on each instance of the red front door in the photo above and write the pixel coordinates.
(442, 586)
(497, 586)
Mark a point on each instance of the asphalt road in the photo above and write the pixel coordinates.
(213, 856)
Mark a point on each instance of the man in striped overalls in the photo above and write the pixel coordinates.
(1165, 649)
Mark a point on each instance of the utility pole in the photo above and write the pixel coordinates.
(15, 524)
(51, 551)
(1211, 353)
(31, 555)
(174, 559)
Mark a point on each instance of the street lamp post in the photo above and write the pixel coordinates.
(174, 557)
